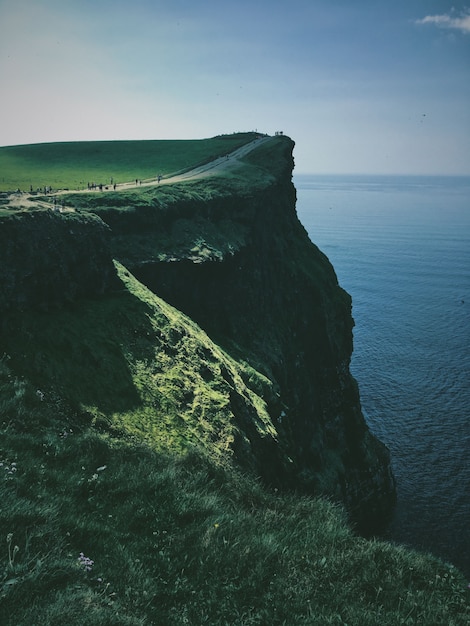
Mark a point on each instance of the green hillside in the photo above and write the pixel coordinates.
(121, 506)
(73, 165)
(129, 357)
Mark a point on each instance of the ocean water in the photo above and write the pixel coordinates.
(401, 247)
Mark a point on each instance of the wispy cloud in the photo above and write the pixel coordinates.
(460, 22)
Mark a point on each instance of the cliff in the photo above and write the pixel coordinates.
(272, 298)
(48, 259)
(229, 254)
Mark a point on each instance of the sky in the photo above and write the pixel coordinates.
(363, 86)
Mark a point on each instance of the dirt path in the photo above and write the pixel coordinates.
(21, 200)
(208, 169)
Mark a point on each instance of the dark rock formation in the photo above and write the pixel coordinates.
(274, 301)
(241, 265)
(49, 259)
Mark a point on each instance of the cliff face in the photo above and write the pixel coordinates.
(236, 260)
(49, 259)
(273, 300)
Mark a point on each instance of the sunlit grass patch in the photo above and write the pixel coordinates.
(134, 363)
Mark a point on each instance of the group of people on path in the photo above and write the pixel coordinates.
(45, 190)
(93, 186)
(100, 186)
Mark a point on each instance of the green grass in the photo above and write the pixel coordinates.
(115, 435)
(182, 540)
(73, 165)
(133, 361)
(162, 196)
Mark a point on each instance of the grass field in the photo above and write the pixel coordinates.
(74, 165)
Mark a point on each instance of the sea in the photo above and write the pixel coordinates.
(400, 246)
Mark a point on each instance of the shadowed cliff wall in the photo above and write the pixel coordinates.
(275, 301)
(49, 259)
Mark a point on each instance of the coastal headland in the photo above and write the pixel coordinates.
(177, 398)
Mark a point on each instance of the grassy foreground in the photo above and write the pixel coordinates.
(98, 529)
(73, 165)
(110, 516)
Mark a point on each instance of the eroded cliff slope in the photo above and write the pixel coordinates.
(275, 301)
(266, 380)
(231, 253)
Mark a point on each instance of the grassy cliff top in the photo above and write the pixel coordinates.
(99, 176)
(75, 164)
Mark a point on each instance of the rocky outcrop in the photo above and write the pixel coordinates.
(50, 259)
(273, 300)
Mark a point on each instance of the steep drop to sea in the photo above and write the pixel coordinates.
(243, 267)
(230, 253)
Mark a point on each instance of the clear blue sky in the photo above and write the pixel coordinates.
(363, 86)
